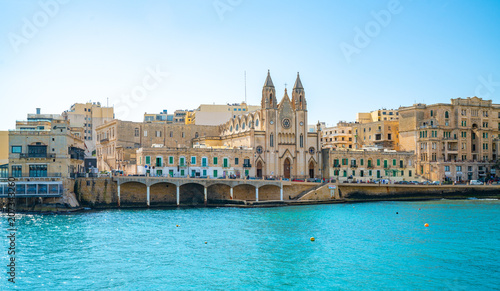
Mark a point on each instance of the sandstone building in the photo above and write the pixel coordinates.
(382, 134)
(377, 115)
(215, 114)
(337, 137)
(84, 118)
(369, 165)
(456, 141)
(118, 141)
(41, 151)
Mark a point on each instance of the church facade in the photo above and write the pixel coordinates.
(278, 135)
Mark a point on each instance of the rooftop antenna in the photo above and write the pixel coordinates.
(245, 87)
(107, 101)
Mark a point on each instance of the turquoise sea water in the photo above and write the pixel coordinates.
(364, 246)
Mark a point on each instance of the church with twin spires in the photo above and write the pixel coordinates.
(278, 135)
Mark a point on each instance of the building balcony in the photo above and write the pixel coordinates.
(36, 156)
(36, 176)
(354, 166)
(247, 165)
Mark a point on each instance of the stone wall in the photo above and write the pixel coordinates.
(409, 192)
(96, 192)
(296, 188)
(322, 193)
(162, 194)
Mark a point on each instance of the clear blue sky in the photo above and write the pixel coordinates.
(423, 51)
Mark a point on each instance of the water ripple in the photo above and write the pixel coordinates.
(358, 246)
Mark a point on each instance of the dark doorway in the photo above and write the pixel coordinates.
(286, 168)
(259, 169)
(311, 170)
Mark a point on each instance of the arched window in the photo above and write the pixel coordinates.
(237, 127)
(446, 115)
(196, 135)
(271, 140)
(231, 128)
(243, 126)
(271, 99)
(432, 113)
(257, 122)
(301, 140)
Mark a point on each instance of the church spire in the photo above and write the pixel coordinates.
(269, 93)
(269, 81)
(298, 95)
(298, 83)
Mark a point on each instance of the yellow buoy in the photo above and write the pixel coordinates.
(313, 239)
(426, 225)
(177, 225)
(205, 242)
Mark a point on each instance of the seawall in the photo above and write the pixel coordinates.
(373, 192)
(102, 193)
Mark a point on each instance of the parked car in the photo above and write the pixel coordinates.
(436, 183)
(476, 182)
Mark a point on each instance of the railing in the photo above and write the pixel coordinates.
(27, 175)
(77, 175)
(33, 189)
(247, 165)
(40, 156)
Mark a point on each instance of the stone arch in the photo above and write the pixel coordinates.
(218, 192)
(269, 192)
(192, 194)
(163, 193)
(244, 192)
(133, 194)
